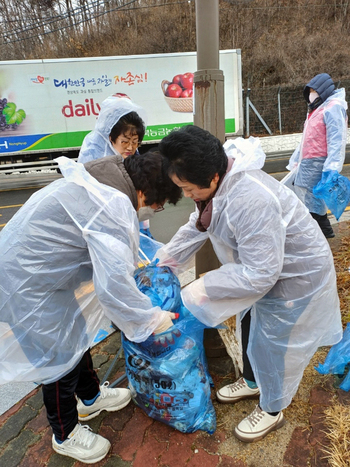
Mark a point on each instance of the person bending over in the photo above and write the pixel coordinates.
(277, 272)
(67, 259)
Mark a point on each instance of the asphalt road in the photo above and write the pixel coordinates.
(163, 225)
(16, 189)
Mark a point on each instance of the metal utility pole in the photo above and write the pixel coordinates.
(209, 109)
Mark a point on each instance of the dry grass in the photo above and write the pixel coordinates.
(282, 42)
(338, 433)
(342, 265)
(337, 416)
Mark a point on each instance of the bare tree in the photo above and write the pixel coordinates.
(282, 41)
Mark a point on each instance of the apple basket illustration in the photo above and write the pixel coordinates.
(177, 104)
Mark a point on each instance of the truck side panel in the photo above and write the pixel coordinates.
(50, 105)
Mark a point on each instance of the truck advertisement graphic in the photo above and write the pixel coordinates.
(50, 105)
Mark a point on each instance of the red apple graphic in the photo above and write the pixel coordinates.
(177, 79)
(187, 93)
(187, 80)
(174, 90)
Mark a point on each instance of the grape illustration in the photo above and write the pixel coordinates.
(10, 117)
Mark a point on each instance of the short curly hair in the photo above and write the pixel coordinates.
(130, 122)
(148, 174)
(193, 155)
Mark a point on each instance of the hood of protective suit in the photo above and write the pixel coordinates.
(247, 154)
(97, 144)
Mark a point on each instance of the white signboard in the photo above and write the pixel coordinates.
(53, 104)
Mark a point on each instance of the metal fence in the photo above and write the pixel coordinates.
(277, 110)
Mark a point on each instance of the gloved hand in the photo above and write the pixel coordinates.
(328, 175)
(166, 323)
(165, 338)
(329, 178)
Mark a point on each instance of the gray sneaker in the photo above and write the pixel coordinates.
(109, 399)
(237, 391)
(83, 445)
(257, 425)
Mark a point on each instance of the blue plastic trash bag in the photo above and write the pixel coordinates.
(146, 232)
(338, 359)
(168, 374)
(334, 190)
(161, 286)
(148, 247)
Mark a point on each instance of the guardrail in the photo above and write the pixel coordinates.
(276, 159)
(8, 168)
(22, 167)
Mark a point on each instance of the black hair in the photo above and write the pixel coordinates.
(148, 174)
(129, 122)
(193, 155)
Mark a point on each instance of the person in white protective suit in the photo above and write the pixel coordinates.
(277, 269)
(321, 151)
(120, 129)
(67, 258)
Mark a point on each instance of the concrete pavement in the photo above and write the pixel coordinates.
(139, 441)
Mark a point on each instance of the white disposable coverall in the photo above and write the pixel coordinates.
(276, 260)
(97, 144)
(74, 230)
(322, 149)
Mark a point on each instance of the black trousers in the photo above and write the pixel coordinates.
(245, 328)
(59, 397)
(324, 224)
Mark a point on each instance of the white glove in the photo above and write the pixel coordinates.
(166, 323)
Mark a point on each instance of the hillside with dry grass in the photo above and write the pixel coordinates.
(283, 42)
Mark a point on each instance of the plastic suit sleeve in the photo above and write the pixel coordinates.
(336, 122)
(182, 247)
(116, 288)
(236, 286)
(95, 146)
(294, 159)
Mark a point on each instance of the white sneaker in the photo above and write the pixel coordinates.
(83, 445)
(237, 391)
(109, 399)
(257, 425)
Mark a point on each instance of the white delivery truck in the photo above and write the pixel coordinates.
(48, 106)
